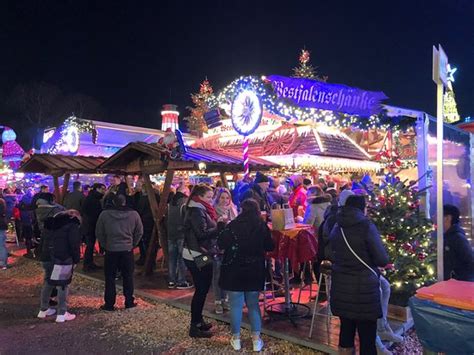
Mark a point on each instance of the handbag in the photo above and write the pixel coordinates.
(61, 275)
(282, 218)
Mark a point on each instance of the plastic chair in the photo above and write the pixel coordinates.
(325, 271)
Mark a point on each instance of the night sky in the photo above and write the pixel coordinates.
(135, 56)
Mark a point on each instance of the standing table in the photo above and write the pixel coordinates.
(295, 246)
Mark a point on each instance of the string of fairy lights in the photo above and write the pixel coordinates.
(286, 109)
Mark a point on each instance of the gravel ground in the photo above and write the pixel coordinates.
(149, 328)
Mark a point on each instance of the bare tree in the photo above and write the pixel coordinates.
(83, 106)
(36, 102)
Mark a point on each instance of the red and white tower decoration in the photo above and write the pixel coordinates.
(169, 117)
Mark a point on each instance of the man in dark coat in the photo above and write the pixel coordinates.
(258, 191)
(90, 212)
(75, 199)
(357, 252)
(144, 210)
(27, 219)
(458, 258)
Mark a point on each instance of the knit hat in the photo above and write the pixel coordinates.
(343, 196)
(259, 177)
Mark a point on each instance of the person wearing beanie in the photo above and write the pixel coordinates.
(258, 191)
(355, 287)
(298, 196)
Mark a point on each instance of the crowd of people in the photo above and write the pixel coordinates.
(221, 238)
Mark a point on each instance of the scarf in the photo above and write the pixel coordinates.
(223, 211)
(209, 209)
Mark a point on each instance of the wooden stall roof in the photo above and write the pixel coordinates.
(61, 164)
(127, 159)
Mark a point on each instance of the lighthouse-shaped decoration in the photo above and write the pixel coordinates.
(169, 118)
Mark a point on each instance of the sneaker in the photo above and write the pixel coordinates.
(4, 267)
(48, 312)
(65, 317)
(219, 308)
(171, 285)
(235, 342)
(257, 345)
(184, 285)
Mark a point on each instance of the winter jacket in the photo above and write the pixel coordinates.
(458, 258)
(255, 191)
(65, 238)
(144, 210)
(74, 200)
(90, 211)
(297, 198)
(244, 241)
(44, 210)
(200, 230)
(26, 210)
(119, 229)
(3, 219)
(176, 213)
(355, 290)
(315, 211)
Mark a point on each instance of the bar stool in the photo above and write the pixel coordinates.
(325, 271)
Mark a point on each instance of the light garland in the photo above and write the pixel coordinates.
(291, 112)
(69, 135)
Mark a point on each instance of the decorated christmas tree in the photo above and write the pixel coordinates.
(394, 207)
(450, 109)
(203, 101)
(305, 69)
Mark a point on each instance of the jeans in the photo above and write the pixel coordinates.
(202, 279)
(219, 294)
(384, 298)
(236, 300)
(367, 330)
(47, 289)
(3, 248)
(123, 261)
(176, 267)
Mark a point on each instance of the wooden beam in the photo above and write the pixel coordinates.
(67, 177)
(224, 179)
(57, 193)
(158, 212)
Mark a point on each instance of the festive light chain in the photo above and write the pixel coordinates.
(292, 112)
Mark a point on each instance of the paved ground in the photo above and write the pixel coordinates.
(149, 328)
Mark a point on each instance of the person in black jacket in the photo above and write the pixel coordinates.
(357, 252)
(245, 241)
(91, 210)
(64, 239)
(458, 258)
(258, 191)
(144, 210)
(201, 230)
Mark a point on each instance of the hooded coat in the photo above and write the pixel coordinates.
(244, 241)
(119, 229)
(355, 290)
(65, 238)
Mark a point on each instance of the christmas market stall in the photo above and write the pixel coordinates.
(152, 159)
(311, 126)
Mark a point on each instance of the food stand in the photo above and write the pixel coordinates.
(147, 159)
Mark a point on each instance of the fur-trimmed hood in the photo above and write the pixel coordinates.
(60, 220)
